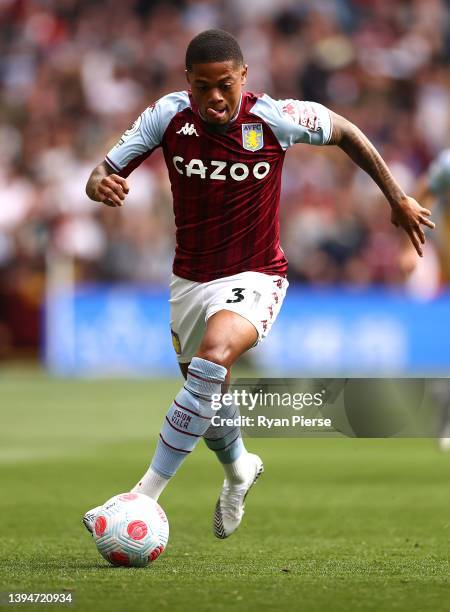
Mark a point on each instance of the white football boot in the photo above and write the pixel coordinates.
(231, 503)
(89, 519)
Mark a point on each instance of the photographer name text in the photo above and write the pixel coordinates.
(260, 420)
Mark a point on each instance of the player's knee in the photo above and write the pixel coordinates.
(184, 369)
(221, 355)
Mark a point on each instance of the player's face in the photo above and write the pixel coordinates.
(216, 88)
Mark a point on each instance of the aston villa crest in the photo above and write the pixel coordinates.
(252, 136)
(176, 342)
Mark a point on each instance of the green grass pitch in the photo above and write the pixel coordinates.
(333, 524)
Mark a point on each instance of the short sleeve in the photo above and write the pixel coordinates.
(439, 173)
(145, 134)
(295, 121)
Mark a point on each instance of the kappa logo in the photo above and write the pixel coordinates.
(188, 129)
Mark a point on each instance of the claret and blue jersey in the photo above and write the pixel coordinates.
(225, 183)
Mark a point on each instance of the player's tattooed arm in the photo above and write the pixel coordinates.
(406, 212)
(105, 186)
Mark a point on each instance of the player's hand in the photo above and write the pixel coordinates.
(411, 216)
(112, 190)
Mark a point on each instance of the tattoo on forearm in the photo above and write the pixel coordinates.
(359, 148)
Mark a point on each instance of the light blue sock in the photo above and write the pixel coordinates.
(225, 440)
(189, 416)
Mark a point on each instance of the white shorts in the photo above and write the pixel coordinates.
(255, 296)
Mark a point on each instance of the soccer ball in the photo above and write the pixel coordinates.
(131, 529)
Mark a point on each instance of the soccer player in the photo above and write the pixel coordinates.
(434, 189)
(224, 149)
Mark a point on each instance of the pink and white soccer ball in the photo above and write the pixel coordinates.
(131, 529)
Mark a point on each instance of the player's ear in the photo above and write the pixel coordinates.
(188, 79)
(244, 72)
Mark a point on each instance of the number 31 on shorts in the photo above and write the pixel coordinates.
(238, 295)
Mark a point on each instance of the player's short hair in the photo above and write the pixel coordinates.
(213, 46)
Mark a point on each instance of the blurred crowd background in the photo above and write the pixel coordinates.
(75, 73)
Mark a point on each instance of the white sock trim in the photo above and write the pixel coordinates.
(238, 471)
(151, 484)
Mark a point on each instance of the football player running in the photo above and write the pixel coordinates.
(224, 150)
(433, 188)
